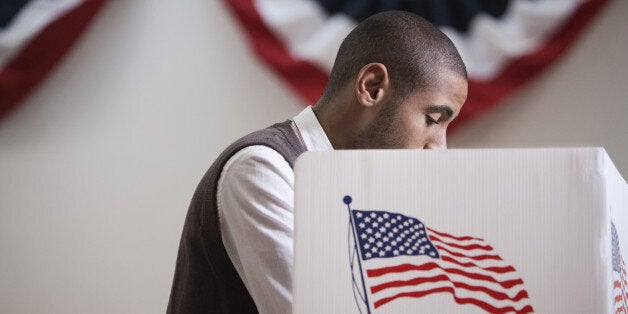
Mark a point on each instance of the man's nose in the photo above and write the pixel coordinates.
(437, 142)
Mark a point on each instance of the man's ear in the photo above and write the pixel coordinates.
(372, 84)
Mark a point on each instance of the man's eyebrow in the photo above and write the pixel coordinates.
(440, 108)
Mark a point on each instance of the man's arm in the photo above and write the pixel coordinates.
(255, 207)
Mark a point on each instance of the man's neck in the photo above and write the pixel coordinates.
(338, 122)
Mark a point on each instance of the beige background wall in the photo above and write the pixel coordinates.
(98, 165)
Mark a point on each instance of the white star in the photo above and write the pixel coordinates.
(368, 254)
(387, 225)
(398, 217)
(382, 229)
(385, 215)
(393, 242)
(385, 239)
(401, 248)
(388, 247)
(409, 251)
(374, 249)
(366, 246)
(380, 219)
(369, 230)
(362, 225)
(375, 224)
(371, 240)
(396, 252)
(359, 215)
(382, 253)
(363, 236)
(373, 215)
(390, 234)
(432, 253)
(367, 219)
(421, 232)
(393, 220)
(378, 235)
(379, 244)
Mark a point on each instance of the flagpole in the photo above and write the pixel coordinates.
(347, 200)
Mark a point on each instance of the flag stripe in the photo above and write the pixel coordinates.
(484, 95)
(445, 264)
(474, 257)
(307, 79)
(484, 305)
(42, 53)
(429, 266)
(521, 294)
(460, 292)
(461, 246)
(391, 276)
(29, 21)
(495, 269)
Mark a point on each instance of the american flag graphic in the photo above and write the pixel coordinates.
(620, 296)
(400, 257)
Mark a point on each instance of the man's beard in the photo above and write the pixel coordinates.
(383, 132)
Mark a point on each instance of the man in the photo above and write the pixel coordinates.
(397, 82)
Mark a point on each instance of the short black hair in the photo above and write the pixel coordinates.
(413, 50)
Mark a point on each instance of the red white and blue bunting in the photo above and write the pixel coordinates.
(503, 43)
(34, 37)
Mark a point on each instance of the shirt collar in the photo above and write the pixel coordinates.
(311, 131)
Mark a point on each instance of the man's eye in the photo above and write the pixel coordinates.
(429, 120)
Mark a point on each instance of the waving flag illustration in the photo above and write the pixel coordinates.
(394, 256)
(619, 276)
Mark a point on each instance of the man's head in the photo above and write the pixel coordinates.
(397, 82)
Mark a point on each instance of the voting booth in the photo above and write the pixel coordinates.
(460, 231)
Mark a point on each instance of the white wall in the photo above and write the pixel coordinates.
(98, 165)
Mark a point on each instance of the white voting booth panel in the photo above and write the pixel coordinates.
(459, 231)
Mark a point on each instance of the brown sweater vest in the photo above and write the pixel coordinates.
(205, 280)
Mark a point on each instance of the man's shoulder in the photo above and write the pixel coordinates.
(254, 159)
(279, 133)
(278, 140)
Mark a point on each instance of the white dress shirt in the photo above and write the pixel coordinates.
(255, 198)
